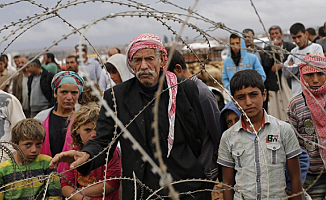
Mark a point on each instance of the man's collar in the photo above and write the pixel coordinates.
(241, 125)
(308, 44)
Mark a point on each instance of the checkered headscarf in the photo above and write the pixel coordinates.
(144, 41)
(314, 63)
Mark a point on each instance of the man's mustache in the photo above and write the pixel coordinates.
(145, 72)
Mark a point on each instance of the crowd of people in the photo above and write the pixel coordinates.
(268, 142)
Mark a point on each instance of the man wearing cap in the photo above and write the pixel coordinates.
(180, 123)
(93, 68)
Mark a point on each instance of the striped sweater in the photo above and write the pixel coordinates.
(12, 188)
(300, 116)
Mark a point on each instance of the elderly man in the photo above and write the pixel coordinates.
(181, 122)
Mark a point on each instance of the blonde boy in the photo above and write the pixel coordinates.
(28, 173)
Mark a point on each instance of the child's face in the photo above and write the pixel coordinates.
(31, 148)
(251, 100)
(315, 80)
(87, 132)
(231, 119)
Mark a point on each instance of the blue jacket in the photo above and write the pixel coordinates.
(249, 61)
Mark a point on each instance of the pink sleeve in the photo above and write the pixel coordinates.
(114, 169)
(46, 144)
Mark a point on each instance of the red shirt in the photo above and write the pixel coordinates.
(113, 170)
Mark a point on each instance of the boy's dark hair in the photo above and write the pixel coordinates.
(84, 47)
(233, 35)
(2, 58)
(51, 56)
(16, 56)
(110, 68)
(27, 129)
(246, 78)
(321, 31)
(72, 56)
(274, 27)
(5, 55)
(311, 31)
(245, 31)
(177, 58)
(296, 28)
(36, 61)
(228, 112)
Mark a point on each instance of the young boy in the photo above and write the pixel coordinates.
(27, 175)
(230, 115)
(246, 158)
(309, 119)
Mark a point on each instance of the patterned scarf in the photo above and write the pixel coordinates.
(317, 63)
(67, 77)
(151, 41)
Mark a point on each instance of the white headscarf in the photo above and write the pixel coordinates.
(119, 62)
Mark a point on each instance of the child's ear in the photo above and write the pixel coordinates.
(264, 94)
(14, 146)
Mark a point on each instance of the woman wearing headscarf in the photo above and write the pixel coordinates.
(67, 87)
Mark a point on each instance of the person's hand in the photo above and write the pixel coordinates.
(277, 67)
(74, 158)
(288, 192)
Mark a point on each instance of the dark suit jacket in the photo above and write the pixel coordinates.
(268, 62)
(189, 135)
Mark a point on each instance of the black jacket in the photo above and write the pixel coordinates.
(46, 78)
(189, 135)
(268, 62)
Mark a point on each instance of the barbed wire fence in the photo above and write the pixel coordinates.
(165, 19)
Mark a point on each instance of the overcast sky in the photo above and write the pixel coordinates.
(235, 14)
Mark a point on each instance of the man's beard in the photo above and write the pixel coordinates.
(72, 69)
(146, 81)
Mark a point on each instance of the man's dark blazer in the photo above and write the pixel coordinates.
(189, 135)
(268, 62)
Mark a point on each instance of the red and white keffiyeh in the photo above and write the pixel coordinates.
(151, 41)
(317, 63)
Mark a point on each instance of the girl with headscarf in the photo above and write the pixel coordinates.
(67, 87)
